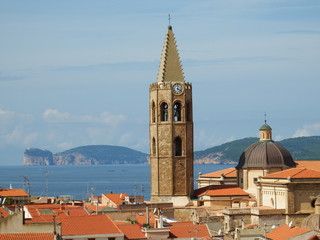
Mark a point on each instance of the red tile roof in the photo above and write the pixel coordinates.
(88, 225)
(45, 212)
(26, 236)
(220, 190)
(227, 173)
(132, 231)
(3, 213)
(13, 193)
(188, 230)
(295, 173)
(315, 165)
(117, 198)
(94, 207)
(285, 232)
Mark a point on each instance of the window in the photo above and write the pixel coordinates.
(255, 179)
(178, 146)
(111, 238)
(153, 147)
(177, 112)
(164, 112)
(153, 114)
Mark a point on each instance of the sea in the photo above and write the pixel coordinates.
(80, 182)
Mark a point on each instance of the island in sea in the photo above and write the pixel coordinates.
(301, 148)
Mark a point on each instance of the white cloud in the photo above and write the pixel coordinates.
(65, 145)
(308, 130)
(278, 138)
(55, 116)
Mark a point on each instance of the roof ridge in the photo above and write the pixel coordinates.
(299, 171)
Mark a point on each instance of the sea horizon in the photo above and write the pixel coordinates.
(81, 181)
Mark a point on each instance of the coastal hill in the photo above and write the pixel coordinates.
(302, 148)
(85, 155)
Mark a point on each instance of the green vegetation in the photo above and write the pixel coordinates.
(105, 154)
(230, 152)
(302, 148)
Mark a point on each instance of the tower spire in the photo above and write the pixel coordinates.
(170, 69)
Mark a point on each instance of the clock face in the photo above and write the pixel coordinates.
(177, 88)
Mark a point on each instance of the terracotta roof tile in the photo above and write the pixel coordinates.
(188, 230)
(285, 232)
(45, 212)
(315, 165)
(13, 193)
(88, 225)
(94, 207)
(132, 231)
(227, 173)
(295, 173)
(26, 236)
(117, 198)
(3, 213)
(220, 190)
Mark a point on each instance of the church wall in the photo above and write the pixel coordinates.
(252, 176)
(303, 194)
(274, 197)
(268, 219)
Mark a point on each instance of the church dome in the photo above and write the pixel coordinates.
(265, 127)
(313, 220)
(266, 153)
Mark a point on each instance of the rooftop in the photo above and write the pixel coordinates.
(26, 236)
(13, 193)
(220, 190)
(295, 173)
(285, 232)
(227, 173)
(45, 212)
(315, 165)
(88, 225)
(117, 198)
(132, 231)
(188, 230)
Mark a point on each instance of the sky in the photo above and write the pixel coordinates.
(77, 72)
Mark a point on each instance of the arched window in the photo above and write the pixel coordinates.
(164, 112)
(177, 112)
(153, 114)
(153, 147)
(178, 146)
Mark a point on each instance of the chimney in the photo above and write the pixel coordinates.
(147, 215)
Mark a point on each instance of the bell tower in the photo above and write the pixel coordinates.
(171, 130)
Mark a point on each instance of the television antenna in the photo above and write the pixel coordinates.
(46, 186)
(26, 184)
